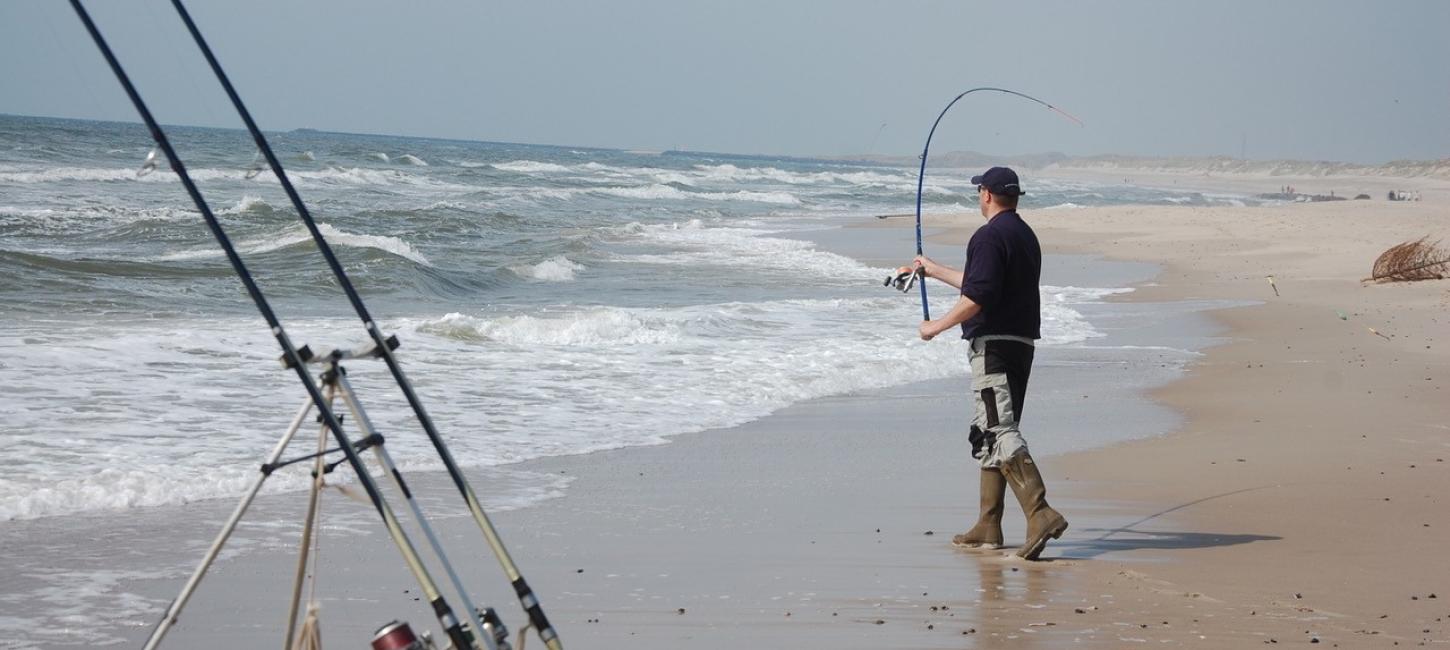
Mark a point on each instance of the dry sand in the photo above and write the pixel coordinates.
(1307, 491)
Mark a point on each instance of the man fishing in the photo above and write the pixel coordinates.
(999, 312)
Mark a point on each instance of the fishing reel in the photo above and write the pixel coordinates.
(905, 278)
(398, 635)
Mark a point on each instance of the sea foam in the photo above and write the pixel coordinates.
(554, 269)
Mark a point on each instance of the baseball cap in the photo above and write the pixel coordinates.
(1000, 181)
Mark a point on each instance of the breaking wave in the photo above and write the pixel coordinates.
(298, 235)
(554, 269)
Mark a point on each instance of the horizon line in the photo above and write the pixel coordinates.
(871, 158)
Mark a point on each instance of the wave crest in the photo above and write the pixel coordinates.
(298, 234)
(658, 191)
(248, 203)
(529, 167)
(554, 269)
(606, 326)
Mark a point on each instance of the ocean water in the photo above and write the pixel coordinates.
(549, 300)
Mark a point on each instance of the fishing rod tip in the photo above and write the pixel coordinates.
(1067, 115)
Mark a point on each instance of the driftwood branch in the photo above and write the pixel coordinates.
(1410, 261)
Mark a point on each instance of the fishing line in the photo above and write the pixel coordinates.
(410, 555)
(921, 176)
(86, 82)
(524, 592)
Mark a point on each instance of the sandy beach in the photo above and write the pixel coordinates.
(1290, 488)
(1305, 494)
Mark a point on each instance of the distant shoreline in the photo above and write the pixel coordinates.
(1186, 165)
(1051, 161)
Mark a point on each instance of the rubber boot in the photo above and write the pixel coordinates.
(988, 531)
(1043, 522)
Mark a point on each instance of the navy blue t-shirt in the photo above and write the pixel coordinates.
(1004, 265)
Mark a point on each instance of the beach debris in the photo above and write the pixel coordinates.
(929, 533)
(1410, 261)
(1341, 315)
(1377, 333)
(680, 611)
(1272, 285)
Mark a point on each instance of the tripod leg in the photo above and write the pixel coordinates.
(216, 546)
(307, 528)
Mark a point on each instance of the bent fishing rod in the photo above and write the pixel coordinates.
(525, 593)
(921, 176)
(441, 609)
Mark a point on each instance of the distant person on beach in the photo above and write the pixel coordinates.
(1000, 314)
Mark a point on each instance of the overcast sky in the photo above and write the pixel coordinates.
(1323, 79)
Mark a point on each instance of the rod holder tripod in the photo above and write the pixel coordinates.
(491, 633)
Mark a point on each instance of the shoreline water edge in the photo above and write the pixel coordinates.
(1295, 442)
(141, 583)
